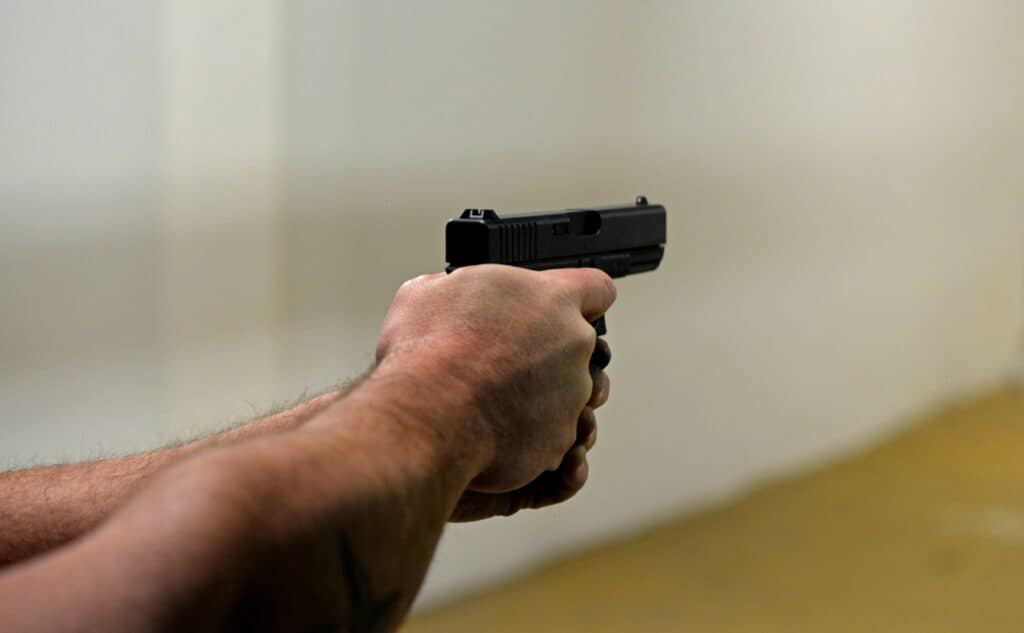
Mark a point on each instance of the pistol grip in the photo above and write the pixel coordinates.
(599, 326)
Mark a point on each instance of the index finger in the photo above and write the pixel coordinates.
(592, 289)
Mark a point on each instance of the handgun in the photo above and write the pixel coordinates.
(620, 239)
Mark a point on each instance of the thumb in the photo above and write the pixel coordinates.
(591, 288)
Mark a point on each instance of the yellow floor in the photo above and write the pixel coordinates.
(924, 533)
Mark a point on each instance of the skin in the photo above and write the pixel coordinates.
(325, 518)
(44, 508)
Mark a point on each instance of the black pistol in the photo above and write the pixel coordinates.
(620, 239)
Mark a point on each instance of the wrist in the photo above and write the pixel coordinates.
(412, 397)
(448, 408)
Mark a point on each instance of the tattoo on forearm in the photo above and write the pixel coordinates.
(367, 611)
(334, 626)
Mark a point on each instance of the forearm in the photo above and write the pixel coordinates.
(227, 540)
(42, 508)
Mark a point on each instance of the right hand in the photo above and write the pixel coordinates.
(519, 342)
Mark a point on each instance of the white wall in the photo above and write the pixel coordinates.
(139, 201)
(845, 230)
(222, 138)
(843, 184)
(79, 228)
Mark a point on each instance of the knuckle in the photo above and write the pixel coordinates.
(415, 283)
(490, 273)
(600, 396)
(567, 290)
(411, 289)
(584, 336)
(411, 284)
(384, 342)
(611, 292)
(585, 390)
(560, 455)
(383, 347)
(508, 505)
(403, 293)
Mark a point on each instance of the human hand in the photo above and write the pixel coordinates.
(518, 344)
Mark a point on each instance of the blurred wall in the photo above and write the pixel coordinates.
(844, 187)
(80, 229)
(843, 184)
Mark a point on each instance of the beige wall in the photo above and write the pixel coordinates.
(845, 230)
(843, 185)
(79, 229)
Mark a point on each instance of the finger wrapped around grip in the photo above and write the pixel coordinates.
(602, 386)
(586, 428)
(602, 355)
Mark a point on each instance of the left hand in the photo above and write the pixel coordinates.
(551, 487)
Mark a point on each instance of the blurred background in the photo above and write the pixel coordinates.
(206, 206)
